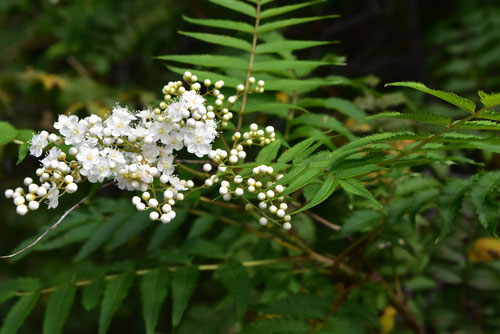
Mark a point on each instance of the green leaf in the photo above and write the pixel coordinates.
(208, 60)
(273, 108)
(223, 24)
(426, 117)
(10, 288)
(115, 292)
(489, 100)
(23, 152)
(92, 294)
(452, 98)
(285, 9)
(18, 313)
(204, 248)
(284, 65)
(287, 45)
(154, 288)
(101, 236)
(301, 181)
(327, 188)
(288, 155)
(346, 107)
(7, 133)
(201, 226)
(480, 125)
(298, 305)
(324, 122)
(135, 225)
(490, 114)
(280, 325)
(234, 276)
(58, 308)
(269, 152)
(238, 6)
(220, 40)
(359, 221)
(354, 187)
(450, 202)
(300, 84)
(183, 284)
(164, 231)
(290, 22)
(485, 205)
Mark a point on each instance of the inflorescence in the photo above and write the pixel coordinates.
(136, 150)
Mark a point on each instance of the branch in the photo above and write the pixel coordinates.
(250, 65)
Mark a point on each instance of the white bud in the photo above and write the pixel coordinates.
(180, 197)
(54, 164)
(251, 80)
(154, 215)
(233, 159)
(238, 179)
(41, 191)
(226, 197)
(261, 196)
(242, 155)
(251, 189)
(8, 193)
(223, 190)
(19, 200)
(287, 226)
(270, 193)
(279, 188)
(254, 127)
(207, 167)
(166, 208)
(168, 194)
(263, 221)
(287, 218)
(273, 209)
(165, 219)
(32, 188)
(28, 181)
(153, 203)
(209, 182)
(140, 206)
(136, 200)
(207, 82)
(240, 88)
(280, 213)
(22, 210)
(33, 205)
(283, 206)
(261, 83)
(68, 179)
(251, 182)
(71, 188)
(222, 168)
(238, 192)
(231, 99)
(164, 178)
(146, 196)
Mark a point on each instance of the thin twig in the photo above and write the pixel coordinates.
(250, 66)
(47, 231)
(318, 218)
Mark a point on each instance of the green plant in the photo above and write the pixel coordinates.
(351, 274)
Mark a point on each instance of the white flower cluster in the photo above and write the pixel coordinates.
(137, 151)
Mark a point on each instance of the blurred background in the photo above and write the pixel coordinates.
(83, 56)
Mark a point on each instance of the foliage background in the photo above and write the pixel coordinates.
(83, 56)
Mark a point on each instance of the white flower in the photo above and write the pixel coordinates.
(177, 183)
(53, 197)
(160, 131)
(88, 157)
(72, 129)
(199, 139)
(150, 152)
(194, 101)
(38, 143)
(165, 165)
(119, 121)
(176, 111)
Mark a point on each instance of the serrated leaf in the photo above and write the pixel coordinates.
(354, 187)
(324, 122)
(489, 100)
(269, 152)
(10, 288)
(420, 200)
(101, 236)
(183, 284)
(283, 65)
(285, 9)
(303, 179)
(92, 294)
(7, 133)
(288, 155)
(490, 114)
(220, 40)
(273, 108)
(154, 288)
(449, 97)
(116, 291)
(359, 221)
(208, 60)
(290, 22)
(287, 45)
(426, 117)
(18, 313)
(450, 202)
(238, 6)
(346, 107)
(480, 125)
(301, 85)
(223, 24)
(298, 305)
(327, 188)
(234, 276)
(280, 325)
(201, 226)
(58, 308)
(485, 205)
(135, 225)
(204, 248)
